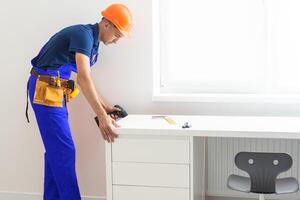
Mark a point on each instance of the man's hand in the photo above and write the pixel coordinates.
(110, 109)
(107, 128)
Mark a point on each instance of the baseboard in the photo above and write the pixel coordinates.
(226, 198)
(243, 198)
(7, 195)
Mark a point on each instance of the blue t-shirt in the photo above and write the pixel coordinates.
(61, 48)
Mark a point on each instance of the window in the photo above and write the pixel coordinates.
(239, 49)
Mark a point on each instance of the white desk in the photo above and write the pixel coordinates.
(152, 159)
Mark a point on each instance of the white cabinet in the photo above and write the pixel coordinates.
(151, 174)
(149, 193)
(151, 167)
(151, 149)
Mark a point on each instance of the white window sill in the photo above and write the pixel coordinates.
(227, 98)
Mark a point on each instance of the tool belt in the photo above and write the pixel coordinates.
(49, 79)
(51, 90)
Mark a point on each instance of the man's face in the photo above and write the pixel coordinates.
(111, 34)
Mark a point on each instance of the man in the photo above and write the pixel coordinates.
(74, 48)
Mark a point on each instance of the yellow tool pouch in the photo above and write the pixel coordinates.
(48, 95)
(72, 94)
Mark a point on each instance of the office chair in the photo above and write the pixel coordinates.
(263, 169)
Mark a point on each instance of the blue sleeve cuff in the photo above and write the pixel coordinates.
(83, 51)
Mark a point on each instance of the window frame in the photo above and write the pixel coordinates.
(159, 96)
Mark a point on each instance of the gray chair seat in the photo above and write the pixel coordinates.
(286, 185)
(243, 184)
(263, 169)
(239, 183)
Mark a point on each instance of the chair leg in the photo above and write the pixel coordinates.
(261, 197)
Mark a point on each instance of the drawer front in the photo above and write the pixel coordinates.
(146, 174)
(153, 149)
(149, 193)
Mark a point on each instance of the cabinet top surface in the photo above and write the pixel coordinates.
(148, 123)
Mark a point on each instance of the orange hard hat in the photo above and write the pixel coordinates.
(120, 16)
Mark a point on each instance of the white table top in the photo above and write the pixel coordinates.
(213, 126)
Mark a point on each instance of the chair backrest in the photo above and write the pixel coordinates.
(263, 169)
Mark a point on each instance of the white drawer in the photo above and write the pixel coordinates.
(149, 193)
(153, 149)
(146, 174)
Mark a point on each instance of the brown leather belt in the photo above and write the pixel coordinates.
(49, 79)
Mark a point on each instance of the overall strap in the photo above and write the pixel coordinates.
(26, 111)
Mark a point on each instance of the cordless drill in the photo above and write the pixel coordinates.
(120, 114)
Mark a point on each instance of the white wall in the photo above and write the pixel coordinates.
(123, 75)
(25, 27)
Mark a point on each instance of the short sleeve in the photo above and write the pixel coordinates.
(81, 41)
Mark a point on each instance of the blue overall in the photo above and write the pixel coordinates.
(60, 181)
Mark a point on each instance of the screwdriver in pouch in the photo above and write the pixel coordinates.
(58, 83)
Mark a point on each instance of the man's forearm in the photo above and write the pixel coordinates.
(88, 89)
(87, 86)
(102, 100)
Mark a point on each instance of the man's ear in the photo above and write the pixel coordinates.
(106, 24)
